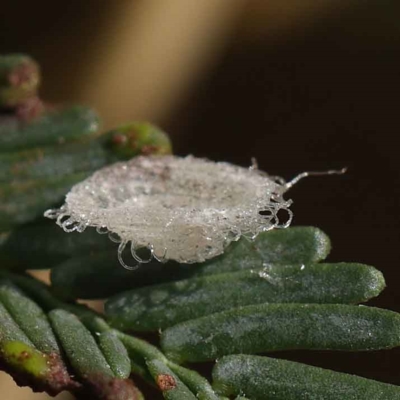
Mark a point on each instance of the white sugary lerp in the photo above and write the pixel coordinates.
(184, 209)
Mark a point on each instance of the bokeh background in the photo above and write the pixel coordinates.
(298, 84)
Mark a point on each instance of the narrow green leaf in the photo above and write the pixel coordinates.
(21, 202)
(139, 351)
(92, 276)
(195, 382)
(35, 289)
(53, 128)
(161, 306)
(40, 292)
(30, 318)
(297, 245)
(25, 358)
(99, 275)
(171, 386)
(115, 353)
(44, 245)
(79, 345)
(49, 162)
(9, 330)
(262, 378)
(271, 327)
(81, 348)
(87, 359)
(141, 348)
(138, 138)
(29, 366)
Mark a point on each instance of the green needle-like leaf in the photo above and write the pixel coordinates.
(195, 382)
(297, 245)
(261, 378)
(98, 275)
(79, 345)
(138, 138)
(30, 318)
(171, 386)
(115, 353)
(21, 202)
(28, 365)
(271, 327)
(88, 360)
(53, 128)
(9, 330)
(161, 306)
(42, 245)
(49, 162)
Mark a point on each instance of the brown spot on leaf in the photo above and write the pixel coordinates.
(24, 355)
(166, 382)
(119, 139)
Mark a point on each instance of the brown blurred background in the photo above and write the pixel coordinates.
(297, 84)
